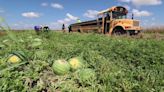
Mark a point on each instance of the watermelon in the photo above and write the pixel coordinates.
(16, 57)
(86, 76)
(76, 63)
(36, 43)
(61, 67)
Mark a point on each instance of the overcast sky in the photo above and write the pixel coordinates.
(28, 13)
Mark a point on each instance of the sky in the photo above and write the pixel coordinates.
(25, 14)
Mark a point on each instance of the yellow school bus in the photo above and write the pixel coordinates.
(111, 21)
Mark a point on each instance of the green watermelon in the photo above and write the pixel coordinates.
(61, 67)
(36, 43)
(76, 63)
(86, 76)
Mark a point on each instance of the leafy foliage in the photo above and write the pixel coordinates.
(120, 64)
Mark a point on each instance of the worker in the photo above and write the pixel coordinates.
(70, 28)
(38, 29)
(46, 29)
(132, 16)
(63, 28)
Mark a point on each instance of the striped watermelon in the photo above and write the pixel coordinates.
(61, 67)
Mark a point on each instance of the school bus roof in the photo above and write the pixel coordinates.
(111, 9)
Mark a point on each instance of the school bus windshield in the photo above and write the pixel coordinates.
(119, 15)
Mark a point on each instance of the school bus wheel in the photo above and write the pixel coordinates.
(79, 30)
(119, 31)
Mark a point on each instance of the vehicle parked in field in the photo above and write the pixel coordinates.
(110, 21)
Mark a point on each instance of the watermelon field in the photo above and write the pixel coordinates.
(106, 64)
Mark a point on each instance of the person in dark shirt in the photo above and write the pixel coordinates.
(70, 28)
(63, 28)
(46, 29)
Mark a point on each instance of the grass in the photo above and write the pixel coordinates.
(122, 64)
